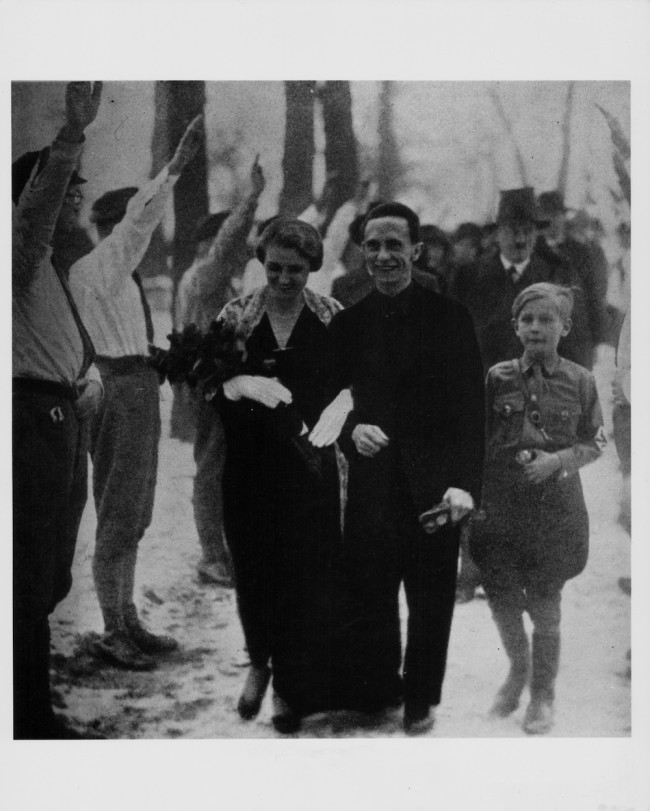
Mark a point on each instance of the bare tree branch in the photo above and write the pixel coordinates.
(507, 124)
(563, 173)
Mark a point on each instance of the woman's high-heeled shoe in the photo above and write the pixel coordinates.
(284, 719)
(250, 701)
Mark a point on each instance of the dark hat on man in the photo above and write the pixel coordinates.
(517, 206)
(467, 230)
(111, 207)
(551, 202)
(22, 168)
(432, 235)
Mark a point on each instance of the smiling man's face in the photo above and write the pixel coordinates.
(389, 253)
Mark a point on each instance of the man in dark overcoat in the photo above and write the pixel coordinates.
(502, 274)
(587, 263)
(414, 438)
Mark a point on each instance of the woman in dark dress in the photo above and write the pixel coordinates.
(281, 495)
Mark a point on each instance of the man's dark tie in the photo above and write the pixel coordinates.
(145, 306)
(512, 273)
(86, 340)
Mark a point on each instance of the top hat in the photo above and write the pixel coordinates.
(111, 207)
(551, 202)
(517, 206)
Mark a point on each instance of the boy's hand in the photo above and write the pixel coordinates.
(187, 147)
(542, 467)
(460, 503)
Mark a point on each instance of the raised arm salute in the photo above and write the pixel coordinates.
(214, 278)
(125, 432)
(52, 353)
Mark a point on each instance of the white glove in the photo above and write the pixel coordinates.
(369, 439)
(331, 421)
(265, 390)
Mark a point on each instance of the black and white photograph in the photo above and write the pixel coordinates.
(321, 411)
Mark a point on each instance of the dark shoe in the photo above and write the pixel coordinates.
(285, 720)
(146, 641)
(56, 729)
(507, 699)
(250, 701)
(117, 648)
(420, 724)
(539, 716)
(215, 573)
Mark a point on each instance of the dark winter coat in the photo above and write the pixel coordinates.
(433, 410)
(490, 296)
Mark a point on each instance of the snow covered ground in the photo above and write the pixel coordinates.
(194, 693)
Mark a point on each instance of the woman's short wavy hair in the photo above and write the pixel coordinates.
(289, 233)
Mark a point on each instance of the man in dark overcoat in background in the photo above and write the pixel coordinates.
(502, 275)
(587, 263)
(414, 438)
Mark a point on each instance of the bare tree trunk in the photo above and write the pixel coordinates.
(389, 169)
(563, 174)
(340, 145)
(299, 149)
(507, 124)
(177, 103)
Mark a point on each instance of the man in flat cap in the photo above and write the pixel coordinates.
(55, 388)
(125, 432)
(502, 275)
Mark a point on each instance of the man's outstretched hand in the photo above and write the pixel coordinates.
(187, 147)
(81, 106)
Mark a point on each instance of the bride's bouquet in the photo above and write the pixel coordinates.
(194, 357)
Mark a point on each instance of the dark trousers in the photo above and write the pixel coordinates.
(384, 546)
(49, 494)
(622, 419)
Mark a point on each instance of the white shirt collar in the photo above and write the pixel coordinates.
(518, 268)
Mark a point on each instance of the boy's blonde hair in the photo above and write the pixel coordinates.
(561, 297)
